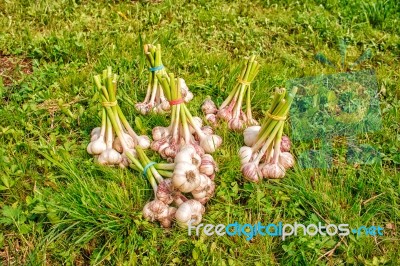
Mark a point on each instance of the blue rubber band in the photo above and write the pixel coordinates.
(154, 69)
(147, 167)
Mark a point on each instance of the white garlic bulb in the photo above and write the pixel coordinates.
(250, 135)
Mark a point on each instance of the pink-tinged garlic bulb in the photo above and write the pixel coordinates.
(208, 165)
(155, 145)
(185, 177)
(198, 148)
(142, 108)
(225, 114)
(179, 198)
(236, 123)
(285, 143)
(160, 132)
(165, 106)
(250, 172)
(211, 118)
(209, 194)
(209, 107)
(165, 191)
(155, 210)
(205, 190)
(171, 151)
(207, 130)
(210, 143)
(166, 222)
(212, 177)
(250, 135)
(272, 170)
(191, 212)
(245, 154)
(286, 160)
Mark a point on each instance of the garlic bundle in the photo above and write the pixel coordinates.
(184, 128)
(231, 109)
(155, 99)
(187, 186)
(113, 143)
(266, 153)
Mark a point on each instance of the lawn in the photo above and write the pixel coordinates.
(57, 207)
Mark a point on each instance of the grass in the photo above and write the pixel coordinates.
(58, 208)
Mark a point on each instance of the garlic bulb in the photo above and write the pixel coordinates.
(95, 131)
(160, 132)
(165, 191)
(124, 162)
(128, 140)
(285, 143)
(188, 156)
(198, 148)
(98, 146)
(208, 165)
(110, 156)
(94, 137)
(286, 160)
(210, 143)
(245, 154)
(165, 105)
(171, 151)
(189, 211)
(102, 160)
(155, 210)
(179, 198)
(183, 86)
(205, 190)
(207, 130)
(250, 172)
(89, 148)
(209, 107)
(272, 170)
(142, 108)
(225, 114)
(185, 177)
(188, 97)
(166, 222)
(143, 141)
(250, 135)
(156, 145)
(236, 123)
(211, 118)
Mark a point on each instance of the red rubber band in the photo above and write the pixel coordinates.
(176, 102)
